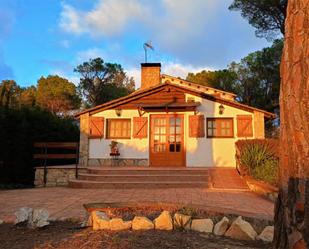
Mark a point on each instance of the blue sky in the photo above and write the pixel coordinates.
(38, 38)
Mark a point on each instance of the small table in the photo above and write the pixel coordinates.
(115, 158)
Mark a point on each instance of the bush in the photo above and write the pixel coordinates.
(259, 159)
(19, 129)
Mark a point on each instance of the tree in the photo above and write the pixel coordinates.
(9, 93)
(292, 207)
(255, 79)
(28, 96)
(221, 79)
(258, 78)
(57, 94)
(101, 82)
(267, 16)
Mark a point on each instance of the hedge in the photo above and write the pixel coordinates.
(19, 129)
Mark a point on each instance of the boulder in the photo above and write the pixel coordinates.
(164, 221)
(241, 230)
(23, 214)
(182, 221)
(221, 227)
(117, 224)
(202, 225)
(39, 218)
(267, 235)
(87, 221)
(98, 220)
(142, 223)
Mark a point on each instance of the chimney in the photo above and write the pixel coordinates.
(151, 73)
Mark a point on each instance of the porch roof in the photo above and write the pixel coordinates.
(184, 106)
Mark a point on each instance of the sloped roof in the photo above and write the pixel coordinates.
(196, 86)
(144, 92)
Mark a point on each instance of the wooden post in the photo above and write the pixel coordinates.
(84, 139)
(45, 165)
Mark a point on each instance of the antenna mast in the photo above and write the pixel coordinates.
(146, 46)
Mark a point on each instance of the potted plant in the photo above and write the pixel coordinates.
(114, 147)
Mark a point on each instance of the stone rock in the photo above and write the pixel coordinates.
(99, 220)
(164, 221)
(41, 223)
(182, 221)
(221, 227)
(267, 235)
(39, 218)
(142, 223)
(117, 224)
(1, 222)
(86, 221)
(23, 214)
(202, 225)
(241, 230)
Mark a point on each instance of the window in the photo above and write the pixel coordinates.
(119, 128)
(220, 127)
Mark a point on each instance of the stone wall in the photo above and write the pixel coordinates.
(56, 176)
(118, 162)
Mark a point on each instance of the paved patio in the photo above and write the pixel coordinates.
(64, 202)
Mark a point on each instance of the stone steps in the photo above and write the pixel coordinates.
(144, 171)
(143, 178)
(131, 185)
(137, 177)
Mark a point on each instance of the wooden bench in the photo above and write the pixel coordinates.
(45, 153)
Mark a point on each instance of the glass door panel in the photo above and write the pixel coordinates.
(159, 135)
(175, 134)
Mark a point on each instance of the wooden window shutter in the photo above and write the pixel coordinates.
(140, 127)
(196, 126)
(244, 126)
(96, 127)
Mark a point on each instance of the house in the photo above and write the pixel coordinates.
(168, 122)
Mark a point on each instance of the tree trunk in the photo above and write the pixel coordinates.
(292, 207)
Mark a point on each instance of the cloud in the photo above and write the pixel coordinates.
(183, 29)
(64, 43)
(90, 53)
(60, 64)
(107, 18)
(64, 74)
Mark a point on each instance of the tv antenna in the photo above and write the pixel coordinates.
(147, 45)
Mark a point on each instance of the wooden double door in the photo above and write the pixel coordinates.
(167, 140)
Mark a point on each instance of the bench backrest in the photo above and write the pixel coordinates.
(45, 154)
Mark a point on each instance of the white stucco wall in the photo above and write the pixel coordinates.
(211, 152)
(200, 152)
(129, 148)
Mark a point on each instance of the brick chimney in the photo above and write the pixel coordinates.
(150, 74)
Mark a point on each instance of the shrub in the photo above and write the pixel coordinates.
(19, 129)
(258, 158)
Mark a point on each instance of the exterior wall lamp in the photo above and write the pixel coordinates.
(221, 109)
(118, 112)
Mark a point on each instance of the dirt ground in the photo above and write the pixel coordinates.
(68, 235)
